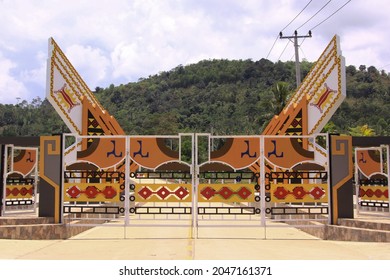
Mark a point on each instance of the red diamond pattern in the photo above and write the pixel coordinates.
(73, 192)
(181, 192)
(109, 192)
(163, 193)
(299, 192)
(280, 193)
(317, 193)
(225, 192)
(208, 192)
(91, 191)
(244, 193)
(145, 192)
(369, 193)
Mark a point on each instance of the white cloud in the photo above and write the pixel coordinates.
(36, 75)
(10, 88)
(89, 61)
(120, 41)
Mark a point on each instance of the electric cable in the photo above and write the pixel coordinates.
(277, 37)
(314, 14)
(331, 15)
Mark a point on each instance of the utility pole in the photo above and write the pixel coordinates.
(297, 63)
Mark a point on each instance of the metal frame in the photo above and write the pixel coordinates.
(380, 207)
(131, 213)
(27, 205)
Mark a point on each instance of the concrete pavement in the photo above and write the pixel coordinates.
(174, 243)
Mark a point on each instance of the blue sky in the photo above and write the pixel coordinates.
(120, 41)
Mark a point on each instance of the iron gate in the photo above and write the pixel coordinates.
(195, 181)
(20, 179)
(372, 173)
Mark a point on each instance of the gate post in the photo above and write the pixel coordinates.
(340, 176)
(50, 174)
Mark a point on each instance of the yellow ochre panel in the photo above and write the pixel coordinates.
(299, 193)
(226, 193)
(92, 192)
(163, 192)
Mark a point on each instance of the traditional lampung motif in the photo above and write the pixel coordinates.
(70, 96)
(296, 125)
(226, 193)
(299, 193)
(317, 97)
(65, 98)
(91, 192)
(324, 98)
(163, 192)
(379, 193)
(19, 191)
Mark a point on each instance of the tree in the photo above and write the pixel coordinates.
(363, 130)
(281, 92)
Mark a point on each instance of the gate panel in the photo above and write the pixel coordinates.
(94, 180)
(372, 173)
(228, 182)
(296, 180)
(161, 188)
(196, 181)
(20, 179)
(288, 197)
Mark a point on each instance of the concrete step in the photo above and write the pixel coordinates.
(347, 233)
(355, 223)
(40, 231)
(4, 221)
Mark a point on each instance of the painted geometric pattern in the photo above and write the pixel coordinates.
(226, 193)
(163, 193)
(299, 192)
(295, 127)
(19, 191)
(380, 193)
(92, 192)
(93, 127)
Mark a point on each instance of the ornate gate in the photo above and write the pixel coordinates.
(228, 182)
(297, 183)
(196, 181)
(372, 173)
(128, 180)
(20, 179)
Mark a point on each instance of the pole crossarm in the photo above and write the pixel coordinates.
(296, 46)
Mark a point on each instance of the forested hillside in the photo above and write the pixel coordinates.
(216, 96)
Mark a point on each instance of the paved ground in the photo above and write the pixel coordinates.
(159, 243)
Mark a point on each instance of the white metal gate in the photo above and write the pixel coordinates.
(195, 181)
(20, 179)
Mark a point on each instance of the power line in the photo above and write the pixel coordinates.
(283, 51)
(315, 14)
(277, 37)
(296, 16)
(331, 15)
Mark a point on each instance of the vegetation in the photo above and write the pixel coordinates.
(216, 96)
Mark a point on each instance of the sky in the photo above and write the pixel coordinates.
(121, 41)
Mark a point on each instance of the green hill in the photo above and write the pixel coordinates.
(218, 96)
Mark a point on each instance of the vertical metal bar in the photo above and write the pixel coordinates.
(262, 182)
(127, 181)
(329, 183)
(36, 181)
(2, 175)
(195, 182)
(62, 175)
(357, 183)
